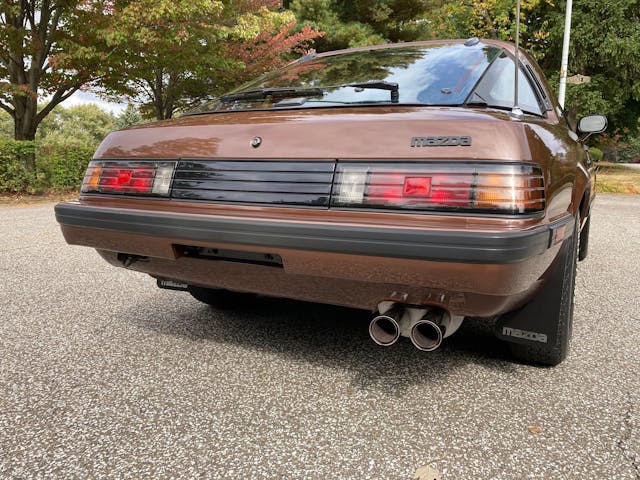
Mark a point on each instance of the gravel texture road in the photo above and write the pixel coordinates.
(102, 375)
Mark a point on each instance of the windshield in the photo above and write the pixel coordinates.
(429, 75)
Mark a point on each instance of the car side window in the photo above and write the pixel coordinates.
(497, 86)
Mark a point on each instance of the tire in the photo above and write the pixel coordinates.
(218, 298)
(552, 355)
(584, 240)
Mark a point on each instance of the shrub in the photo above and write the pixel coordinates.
(14, 177)
(63, 167)
(630, 152)
(58, 167)
(596, 154)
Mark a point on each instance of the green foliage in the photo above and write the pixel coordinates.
(630, 151)
(58, 167)
(48, 50)
(14, 176)
(495, 19)
(350, 23)
(79, 125)
(339, 33)
(273, 41)
(354, 23)
(159, 48)
(394, 20)
(596, 154)
(63, 167)
(129, 117)
(66, 142)
(604, 45)
(6, 126)
(590, 97)
(168, 56)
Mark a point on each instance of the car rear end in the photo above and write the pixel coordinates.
(430, 227)
(424, 214)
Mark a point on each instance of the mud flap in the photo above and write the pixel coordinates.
(536, 323)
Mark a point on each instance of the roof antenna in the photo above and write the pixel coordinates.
(516, 112)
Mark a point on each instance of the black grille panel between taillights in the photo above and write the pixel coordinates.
(305, 183)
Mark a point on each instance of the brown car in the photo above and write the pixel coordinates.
(398, 179)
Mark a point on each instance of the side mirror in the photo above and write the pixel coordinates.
(592, 124)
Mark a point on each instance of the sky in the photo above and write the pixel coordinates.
(79, 98)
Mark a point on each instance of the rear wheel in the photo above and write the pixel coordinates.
(219, 298)
(553, 354)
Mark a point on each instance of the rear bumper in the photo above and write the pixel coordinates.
(373, 241)
(468, 273)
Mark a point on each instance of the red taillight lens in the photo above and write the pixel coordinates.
(128, 177)
(417, 187)
(477, 187)
(383, 187)
(128, 180)
(401, 189)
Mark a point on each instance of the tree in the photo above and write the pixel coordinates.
(496, 19)
(393, 20)
(174, 55)
(604, 45)
(354, 23)
(264, 40)
(6, 126)
(47, 52)
(324, 15)
(129, 117)
(161, 48)
(83, 125)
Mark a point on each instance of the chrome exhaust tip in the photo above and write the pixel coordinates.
(384, 329)
(426, 335)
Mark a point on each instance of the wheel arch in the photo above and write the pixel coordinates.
(585, 203)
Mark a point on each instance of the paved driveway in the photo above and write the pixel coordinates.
(104, 376)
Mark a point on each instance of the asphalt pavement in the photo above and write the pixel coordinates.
(102, 375)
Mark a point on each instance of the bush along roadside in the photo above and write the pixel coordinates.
(596, 154)
(63, 167)
(630, 152)
(14, 175)
(618, 151)
(58, 167)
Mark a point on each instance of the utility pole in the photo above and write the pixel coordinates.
(516, 111)
(565, 54)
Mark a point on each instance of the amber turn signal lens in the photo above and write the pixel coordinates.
(515, 190)
(92, 177)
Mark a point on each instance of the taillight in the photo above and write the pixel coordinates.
(129, 177)
(477, 187)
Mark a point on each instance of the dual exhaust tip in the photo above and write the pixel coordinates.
(426, 333)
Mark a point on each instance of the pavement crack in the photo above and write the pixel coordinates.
(626, 435)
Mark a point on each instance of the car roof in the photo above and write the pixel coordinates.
(510, 47)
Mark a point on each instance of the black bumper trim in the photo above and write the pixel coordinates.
(450, 246)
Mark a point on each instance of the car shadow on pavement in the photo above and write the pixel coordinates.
(334, 337)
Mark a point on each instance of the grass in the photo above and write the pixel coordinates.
(617, 178)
